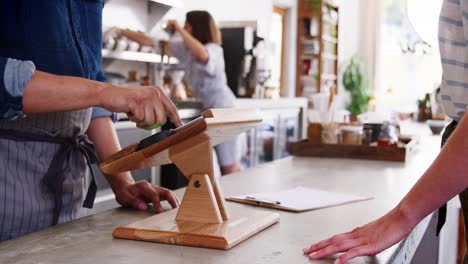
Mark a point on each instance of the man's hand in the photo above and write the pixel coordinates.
(368, 240)
(138, 195)
(144, 105)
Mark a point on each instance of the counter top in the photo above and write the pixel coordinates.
(250, 103)
(89, 240)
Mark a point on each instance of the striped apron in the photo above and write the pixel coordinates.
(32, 196)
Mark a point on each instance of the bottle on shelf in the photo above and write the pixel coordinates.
(428, 107)
(425, 108)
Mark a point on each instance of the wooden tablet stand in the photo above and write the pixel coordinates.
(202, 219)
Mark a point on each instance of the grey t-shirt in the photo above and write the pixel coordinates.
(208, 80)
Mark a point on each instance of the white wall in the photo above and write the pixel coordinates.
(125, 14)
(238, 10)
(348, 46)
(349, 29)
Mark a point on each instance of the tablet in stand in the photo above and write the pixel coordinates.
(203, 220)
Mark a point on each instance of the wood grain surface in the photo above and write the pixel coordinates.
(163, 228)
(218, 125)
(365, 152)
(199, 203)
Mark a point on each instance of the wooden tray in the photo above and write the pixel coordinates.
(365, 152)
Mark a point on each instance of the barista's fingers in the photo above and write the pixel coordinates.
(149, 113)
(169, 196)
(158, 107)
(171, 110)
(136, 113)
(151, 195)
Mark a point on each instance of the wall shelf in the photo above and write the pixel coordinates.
(329, 56)
(330, 39)
(329, 77)
(135, 56)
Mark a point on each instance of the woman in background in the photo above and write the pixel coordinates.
(201, 54)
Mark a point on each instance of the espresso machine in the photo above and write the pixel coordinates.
(239, 45)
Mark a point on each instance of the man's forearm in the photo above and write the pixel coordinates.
(102, 132)
(53, 93)
(447, 177)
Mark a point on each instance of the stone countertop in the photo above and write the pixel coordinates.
(89, 240)
(249, 102)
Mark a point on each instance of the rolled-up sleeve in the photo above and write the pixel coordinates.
(215, 54)
(101, 112)
(177, 48)
(14, 76)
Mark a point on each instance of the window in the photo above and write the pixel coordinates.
(409, 60)
(277, 34)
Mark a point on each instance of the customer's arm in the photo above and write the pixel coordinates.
(446, 178)
(127, 192)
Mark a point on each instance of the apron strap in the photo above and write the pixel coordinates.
(54, 178)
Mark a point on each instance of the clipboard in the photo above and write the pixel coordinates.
(299, 199)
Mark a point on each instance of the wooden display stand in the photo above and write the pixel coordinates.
(202, 219)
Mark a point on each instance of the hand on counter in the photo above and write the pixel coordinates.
(367, 240)
(138, 195)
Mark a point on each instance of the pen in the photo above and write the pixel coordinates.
(260, 201)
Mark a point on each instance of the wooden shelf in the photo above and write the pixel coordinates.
(306, 38)
(330, 39)
(309, 77)
(329, 56)
(308, 14)
(329, 21)
(329, 77)
(322, 48)
(309, 56)
(135, 56)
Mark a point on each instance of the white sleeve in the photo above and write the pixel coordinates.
(215, 57)
(177, 47)
(179, 50)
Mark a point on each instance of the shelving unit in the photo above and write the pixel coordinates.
(152, 61)
(317, 46)
(135, 56)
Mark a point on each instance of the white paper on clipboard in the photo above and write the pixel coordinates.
(299, 199)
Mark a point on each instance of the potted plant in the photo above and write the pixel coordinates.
(354, 82)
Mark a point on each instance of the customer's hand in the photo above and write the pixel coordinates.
(138, 195)
(368, 240)
(144, 105)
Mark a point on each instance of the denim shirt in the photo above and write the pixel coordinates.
(62, 37)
